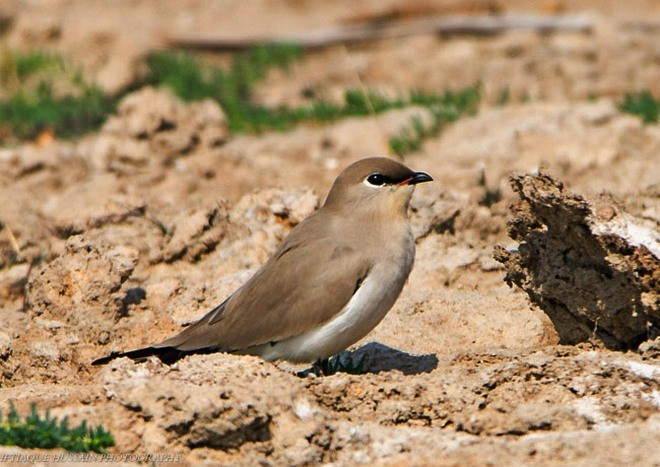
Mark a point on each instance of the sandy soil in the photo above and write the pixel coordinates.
(123, 236)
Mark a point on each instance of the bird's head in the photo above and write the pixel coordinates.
(376, 184)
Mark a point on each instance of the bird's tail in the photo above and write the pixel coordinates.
(167, 355)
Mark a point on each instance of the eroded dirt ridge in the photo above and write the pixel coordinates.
(594, 269)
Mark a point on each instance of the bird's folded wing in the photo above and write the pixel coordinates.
(308, 281)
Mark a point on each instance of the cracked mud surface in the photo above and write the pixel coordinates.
(117, 239)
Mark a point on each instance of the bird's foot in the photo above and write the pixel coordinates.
(322, 367)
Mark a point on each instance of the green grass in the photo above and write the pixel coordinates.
(410, 138)
(16, 67)
(642, 104)
(233, 88)
(30, 113)
(35, 432)
(31, 104)
(445, 108)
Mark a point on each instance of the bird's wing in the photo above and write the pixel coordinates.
(309, 280)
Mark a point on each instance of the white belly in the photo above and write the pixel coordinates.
(364, 311)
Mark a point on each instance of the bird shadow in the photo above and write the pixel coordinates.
(375, 357)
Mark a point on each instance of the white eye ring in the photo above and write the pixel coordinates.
(375, 180)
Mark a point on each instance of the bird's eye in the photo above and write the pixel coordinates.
(376, 179)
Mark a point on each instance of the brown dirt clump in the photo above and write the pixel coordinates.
(594, 269)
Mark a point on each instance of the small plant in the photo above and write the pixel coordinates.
(445, 108)
(30, 113)
(47, 433)
(409, 139)
(232, 88)
(35, 101)
(17, 67)
(642, 104)
(32, 104)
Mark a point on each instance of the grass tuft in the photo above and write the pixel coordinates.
(16, 67)
(642, 104)
(445, 108)
(28, 114)
(32, 105)
(35, 432)
(232, 88)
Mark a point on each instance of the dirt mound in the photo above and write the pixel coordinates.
(594, 269)
(152, 127)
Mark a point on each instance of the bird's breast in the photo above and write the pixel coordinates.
(366, 308)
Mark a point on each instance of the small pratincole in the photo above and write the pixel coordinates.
(331, 281)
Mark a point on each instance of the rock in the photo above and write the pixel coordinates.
(433, 213)
(12, 281)
(87, 278)
(189, 305)
(651, 348)
(266, 218)
(194, 234)
(592, 268)
(5, 346)
(153, 126)
(236, 412)
(275, 206)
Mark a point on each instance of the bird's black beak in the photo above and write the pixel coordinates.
(417, 177)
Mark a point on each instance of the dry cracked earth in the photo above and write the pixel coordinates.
(121, 237)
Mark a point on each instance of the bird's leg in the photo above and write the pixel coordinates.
(321, 367)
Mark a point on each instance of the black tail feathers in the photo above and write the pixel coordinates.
(167, 355)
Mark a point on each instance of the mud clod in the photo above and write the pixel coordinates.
(592, 268)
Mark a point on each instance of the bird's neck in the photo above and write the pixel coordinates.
(378, 217)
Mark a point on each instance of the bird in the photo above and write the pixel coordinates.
(330, 282)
